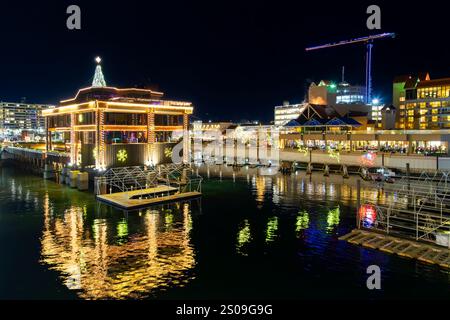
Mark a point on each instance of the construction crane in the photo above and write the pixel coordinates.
(369, 44)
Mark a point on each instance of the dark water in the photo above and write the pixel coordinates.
(250, 237)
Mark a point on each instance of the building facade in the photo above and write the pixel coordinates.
(287, 112)
(21, 116)
(350, 94)
(109, 127)
(423, 103)
(330, 93)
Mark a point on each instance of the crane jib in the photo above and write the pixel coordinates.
(356, 40)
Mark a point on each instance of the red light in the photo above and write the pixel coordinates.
(368, 214)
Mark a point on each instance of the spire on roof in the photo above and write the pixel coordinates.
(99, 79)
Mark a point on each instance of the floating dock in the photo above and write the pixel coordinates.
(428, 253)
(135, 199)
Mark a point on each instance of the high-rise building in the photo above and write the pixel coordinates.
(422, 103)
(350, 94)
(17, 116)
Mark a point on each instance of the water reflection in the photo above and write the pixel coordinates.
(287, 190)
(333, 218)
(244, 237)
(312, 207)
(105, 254)
(126, 258)
(271, 229)
(302, 221)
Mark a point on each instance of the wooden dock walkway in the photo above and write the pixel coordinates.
(135, 199)
(428, 253)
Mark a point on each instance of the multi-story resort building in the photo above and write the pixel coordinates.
(105, 126)
(422, 103)
(19, 116)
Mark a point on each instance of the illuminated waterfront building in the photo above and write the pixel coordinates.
(18, 116)
(287, 112)
(108, 127)
(422, 103)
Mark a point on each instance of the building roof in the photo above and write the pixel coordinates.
(388, 107)
(325, 112)
(325, 83)
(400, 79)
(434, 83)
(112, 94)
(356, 114)
(313, 123)
(292, 123)
(351, 122)
(344, 121)
(412, 81)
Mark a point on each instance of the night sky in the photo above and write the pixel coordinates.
(233, 60)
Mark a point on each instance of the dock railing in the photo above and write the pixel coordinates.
(416, 208)
(125, 179)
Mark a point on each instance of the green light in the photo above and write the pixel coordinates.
(302, 221)
(168, 152)
(168, 220)
(334, 154)
(122, 155)
(243, 237)
(333, 218)
(272, 227)
(122, 229)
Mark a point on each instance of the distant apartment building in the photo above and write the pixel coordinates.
(330, 93)
(422, 103)
(19, 116)
(287, 112)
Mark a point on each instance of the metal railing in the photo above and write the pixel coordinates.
(124, 179)
(417, 208)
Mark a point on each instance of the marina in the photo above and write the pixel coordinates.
(281, 232)
(225, 159)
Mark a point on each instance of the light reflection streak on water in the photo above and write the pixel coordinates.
(271, 229)
(243, 237)
(333, 218)
(302, 221)
(103, 261)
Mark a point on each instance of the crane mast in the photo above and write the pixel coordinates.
(369, 45)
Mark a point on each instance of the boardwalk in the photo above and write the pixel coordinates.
(146, 197)
(402, 247)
